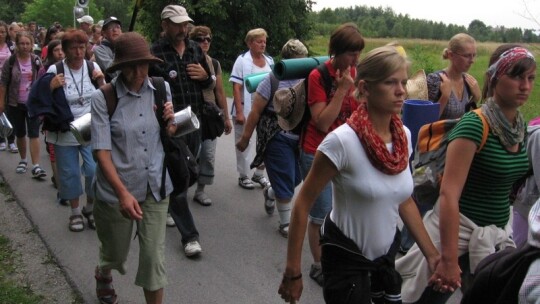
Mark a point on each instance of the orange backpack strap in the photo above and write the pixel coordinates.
(485, 131)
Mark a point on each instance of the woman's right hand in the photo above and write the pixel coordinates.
(242, 144)
(291, 290)
(239, 119)
(446, 86)
(344, 79)
(447, 276)
(58, 81)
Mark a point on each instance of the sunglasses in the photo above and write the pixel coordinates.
(202, 39)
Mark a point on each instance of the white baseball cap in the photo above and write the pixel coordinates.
(86, 19)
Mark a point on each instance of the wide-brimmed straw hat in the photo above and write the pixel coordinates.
(131, 48)
(289, 105)
(417, 86)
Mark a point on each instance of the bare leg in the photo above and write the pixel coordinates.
(21, 144)
(153, 297)
(34, 150)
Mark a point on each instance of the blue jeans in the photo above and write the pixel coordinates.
(69, 171)
(206, 162)
(282, 166)
(179, 209)
(323, 203)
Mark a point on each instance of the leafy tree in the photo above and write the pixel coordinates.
(121, 9)
(16, 7)
(478, 30)
(41, 12)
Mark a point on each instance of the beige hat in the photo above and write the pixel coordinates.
(417, 86)
(131, 48)
(86, 19)
(289, 105)
(175, 13)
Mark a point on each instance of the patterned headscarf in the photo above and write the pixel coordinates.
(507, 60)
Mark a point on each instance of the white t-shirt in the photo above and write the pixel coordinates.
(79, 106)
(365, 201)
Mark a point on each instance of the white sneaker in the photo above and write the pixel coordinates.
(13, 148)
(170, 221)
(192, 248)
(3, 146)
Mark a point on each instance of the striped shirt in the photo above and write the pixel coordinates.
(485, 196)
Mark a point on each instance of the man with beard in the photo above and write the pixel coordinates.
(112, 28)
(185, 68)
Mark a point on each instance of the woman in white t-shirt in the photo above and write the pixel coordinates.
(78, 85)
(367, 161)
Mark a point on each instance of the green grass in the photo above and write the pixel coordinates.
(427, 55)
(12, 291)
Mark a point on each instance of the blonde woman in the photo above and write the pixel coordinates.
(452, 87)
(367, 161)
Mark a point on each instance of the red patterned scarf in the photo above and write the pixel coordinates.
(376, 150)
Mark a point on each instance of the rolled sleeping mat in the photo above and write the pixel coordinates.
(252, 81)
(417, 113)
(297, 68)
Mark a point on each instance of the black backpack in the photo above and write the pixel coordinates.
(89, 67)
(179, 161)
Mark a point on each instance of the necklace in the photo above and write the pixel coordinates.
(81, 99)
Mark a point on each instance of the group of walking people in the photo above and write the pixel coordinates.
(344, 139)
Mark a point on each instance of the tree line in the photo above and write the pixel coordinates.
(379, 22)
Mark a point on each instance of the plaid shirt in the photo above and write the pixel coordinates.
(185, 91)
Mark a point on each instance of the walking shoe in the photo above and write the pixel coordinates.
(3, 146)
(170, 221)
(21, 167)
(89, 215)
(76, 223)
(269, 203)
(316, 274)
(201, 198)
(13, 148)
(261, 180)
(192, 248)
(37, 172)
(284, 230)
(245, 183)
(61, 201)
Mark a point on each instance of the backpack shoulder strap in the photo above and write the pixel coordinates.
(109, 92)
(485, 129)
(59, 67)
(325, 76)
(90, 66)
(11, 62)
(160, 96)
(274, 84)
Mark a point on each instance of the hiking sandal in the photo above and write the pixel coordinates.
(203, 199)
(89, 215)
(76, 223)
(104, 289)
(21, 167)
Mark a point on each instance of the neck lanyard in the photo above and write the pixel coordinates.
(81, 99)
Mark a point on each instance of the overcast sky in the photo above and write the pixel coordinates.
(508, 13)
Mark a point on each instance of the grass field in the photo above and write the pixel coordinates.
(427, 55)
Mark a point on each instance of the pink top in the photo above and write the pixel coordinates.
(4, 55)
(26, 80)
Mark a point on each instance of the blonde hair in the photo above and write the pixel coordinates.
(254, 34)
(378, 65)
(457, 43)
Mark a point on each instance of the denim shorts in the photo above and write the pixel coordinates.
(22, 124)
(323, 203)
(69, 171)
(282, 166)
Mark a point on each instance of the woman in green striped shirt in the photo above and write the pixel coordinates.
(471, 218)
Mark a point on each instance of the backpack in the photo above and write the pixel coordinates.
(89, 67)
(519, 185)
(303, 84)
(179, 161)
(498, 277)
(430, 157)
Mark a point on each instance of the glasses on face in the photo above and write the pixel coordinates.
(202, 39)
(467, 56)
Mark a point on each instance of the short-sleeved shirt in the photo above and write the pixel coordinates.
(26, 79)
(132, 136)
(485, 195)
(365, 200)
(78, 104)
(317, 94)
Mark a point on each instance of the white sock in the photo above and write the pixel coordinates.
(271, 193)
(258, 172)
(76, 211)
(35, 165)
(284, 211)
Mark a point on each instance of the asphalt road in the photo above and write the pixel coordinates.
(243, 253)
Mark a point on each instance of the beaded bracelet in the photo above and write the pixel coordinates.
(292, 278)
